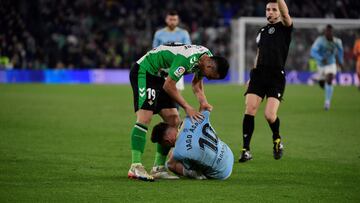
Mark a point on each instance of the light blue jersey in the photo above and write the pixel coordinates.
(199, 148)
(324, 49)
(164, 36)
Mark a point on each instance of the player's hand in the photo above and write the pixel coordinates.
(206, 106)
(200, 177)
(193, 114)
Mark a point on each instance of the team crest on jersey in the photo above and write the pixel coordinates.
(271, 30)
(179, 71)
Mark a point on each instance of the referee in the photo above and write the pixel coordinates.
(267, 78)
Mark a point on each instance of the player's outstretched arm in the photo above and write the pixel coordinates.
(340, 51)
(284, 12)
(198, 89)
(170, 88)
(315, 51)
(178, 168)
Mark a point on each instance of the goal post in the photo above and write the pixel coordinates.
(243, 46)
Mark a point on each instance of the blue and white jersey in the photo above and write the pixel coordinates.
(324, 49)
(164, 36)
(199, 148)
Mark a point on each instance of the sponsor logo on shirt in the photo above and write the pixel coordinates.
(179, 71)
(193, 60)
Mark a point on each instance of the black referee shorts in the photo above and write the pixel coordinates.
(148, 91)
(267, 83)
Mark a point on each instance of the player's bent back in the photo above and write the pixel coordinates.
(199, 148)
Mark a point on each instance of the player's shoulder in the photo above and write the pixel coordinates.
(190, 50)
(287, 28)
(262, 28)
(320, 39)
(200, 49)
(206, 113)
(181, 30)
(160, 31)
(337, 40)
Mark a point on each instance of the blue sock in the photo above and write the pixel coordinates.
(329, 89)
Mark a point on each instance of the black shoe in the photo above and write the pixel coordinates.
(245, 156)
(278, 149)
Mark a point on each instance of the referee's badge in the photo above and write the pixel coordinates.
(271, 30)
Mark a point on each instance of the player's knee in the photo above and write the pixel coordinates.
(329, 79)
(251, 109)
(170, 165)
(270, 116)
(144, 120)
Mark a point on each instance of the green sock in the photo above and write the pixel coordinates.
(161, 154)
(138, 141)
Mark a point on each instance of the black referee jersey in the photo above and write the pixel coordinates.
(273, 42)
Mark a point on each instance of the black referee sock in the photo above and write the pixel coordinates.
(248, 129)
(275, 128)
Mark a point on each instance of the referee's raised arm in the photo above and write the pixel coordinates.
(284, 12)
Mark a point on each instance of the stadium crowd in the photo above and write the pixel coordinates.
(77, 34)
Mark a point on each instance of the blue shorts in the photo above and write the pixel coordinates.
(223, 167)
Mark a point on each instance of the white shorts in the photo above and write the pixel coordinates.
(180, 84)
(325, 70)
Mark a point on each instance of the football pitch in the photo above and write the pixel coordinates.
(71, 143)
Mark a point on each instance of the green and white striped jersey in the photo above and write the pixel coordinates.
(173, 60)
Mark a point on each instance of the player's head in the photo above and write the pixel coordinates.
(214, 67)
(272, 12)
(329, 32)
(172, 19)
(164, 134)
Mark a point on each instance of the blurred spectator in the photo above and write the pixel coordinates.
(42, 34)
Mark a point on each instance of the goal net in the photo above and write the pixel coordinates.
(306, 30)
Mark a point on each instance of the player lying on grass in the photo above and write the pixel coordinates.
(198, 152)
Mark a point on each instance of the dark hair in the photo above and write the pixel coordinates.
(158, 132)
(172, 13)
(328, 26)
(222, 66)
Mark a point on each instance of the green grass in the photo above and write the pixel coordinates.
(70, 143)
